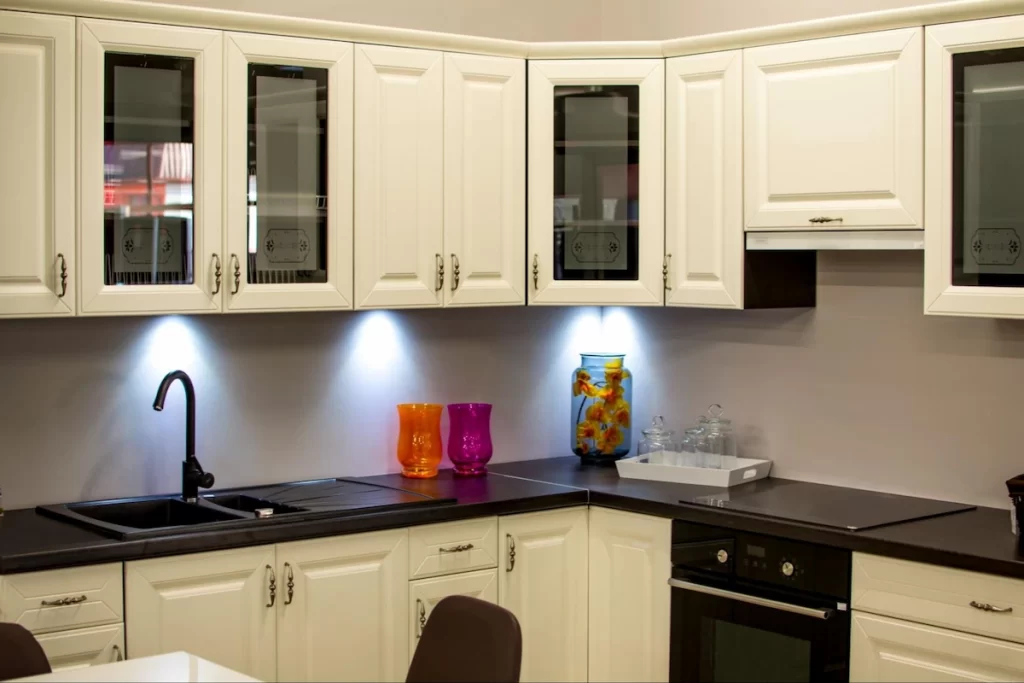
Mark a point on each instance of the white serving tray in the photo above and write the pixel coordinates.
(746, 470)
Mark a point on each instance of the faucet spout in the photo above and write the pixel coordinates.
(192, 475)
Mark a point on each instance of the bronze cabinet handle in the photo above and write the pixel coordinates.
(290, 584)
(664, 272)
(116, 650)
(238, 273)
(825, 219)
(440, 272)
(216, 274)
(455, 272)
(511, 552)
(64, 602)
(422, 618)
(63, 276)
(456, 548)
(273, 586)
(986, 607)
(536, 270)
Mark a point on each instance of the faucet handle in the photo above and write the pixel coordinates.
(206, 480)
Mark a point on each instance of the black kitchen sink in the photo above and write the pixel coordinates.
(244, 503)
(144, 517)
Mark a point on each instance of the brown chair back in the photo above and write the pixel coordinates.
(20, 654)
(468, 640)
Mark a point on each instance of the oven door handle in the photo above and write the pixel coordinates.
(752, 599)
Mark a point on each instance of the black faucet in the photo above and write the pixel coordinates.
(192, 474)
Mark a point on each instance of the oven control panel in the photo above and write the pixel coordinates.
(763, 559)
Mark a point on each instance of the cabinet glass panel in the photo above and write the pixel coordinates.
(597, 150)
(988, 165)
(148, 132)
(287, 219)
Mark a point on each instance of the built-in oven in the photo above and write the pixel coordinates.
(748, 607)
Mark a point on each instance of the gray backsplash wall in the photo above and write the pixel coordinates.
(863, 391)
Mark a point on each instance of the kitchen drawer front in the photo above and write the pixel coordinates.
(426, 593)
(452, 547)
(23, 597)
(82, 647)
(939, 596)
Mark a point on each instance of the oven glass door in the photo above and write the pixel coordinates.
(718, 638)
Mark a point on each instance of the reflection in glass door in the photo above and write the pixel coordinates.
(988, 165)
(596, 202)
(287, 176)
(149, 129)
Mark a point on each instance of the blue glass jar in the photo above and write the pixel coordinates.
(602, 408)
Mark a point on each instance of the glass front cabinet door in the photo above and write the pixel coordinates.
(288, 171)
(150, 168)
(974, 168)
(596, 182)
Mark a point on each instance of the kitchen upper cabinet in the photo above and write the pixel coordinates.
(219, 606)
(289, 173)
(399, 177)
(974, 133)
(484, 180)
(629, 596)
(596, 181)
(343, 606)
(704, 242)
(833, 133)
(150, 185)
(83, 647)
(883, 649)
(37, 165)
(542, 579)
(426, 593)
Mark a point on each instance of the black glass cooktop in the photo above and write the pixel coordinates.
(830, 506)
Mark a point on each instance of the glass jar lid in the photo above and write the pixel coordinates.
(657, 429)
(714, 418)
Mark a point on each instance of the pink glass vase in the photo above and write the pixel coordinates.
(469, 442)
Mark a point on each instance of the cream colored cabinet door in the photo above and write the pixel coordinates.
(542, 579)
(289, 173)
(216, 605)
(343, 608)
(596, 182)
(884, 649)
(150, 184)
(399, 177)
(630, 598)
(971, 201)
(704, 180)
(426, 593)
(83, 647)
(484, 180)
(833, 133)
(37, 165)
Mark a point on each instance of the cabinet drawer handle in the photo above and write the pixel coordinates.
(273, 586)
(825, 219)
(986, 607)
(118, 657)
(456, 548)
(216, 274)
(290, 584)
(511, 552)
(64, 602)
(422, 619)
(63, 276)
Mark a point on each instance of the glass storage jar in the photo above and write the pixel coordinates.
(659, 444)
(720, 443)
(602, 400)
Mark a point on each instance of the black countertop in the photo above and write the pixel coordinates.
(30, 541)
(979, 539)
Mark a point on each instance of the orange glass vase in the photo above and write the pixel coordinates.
(419, 439)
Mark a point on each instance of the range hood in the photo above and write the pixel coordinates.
(835, 240)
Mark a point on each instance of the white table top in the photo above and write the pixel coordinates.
(176, 666)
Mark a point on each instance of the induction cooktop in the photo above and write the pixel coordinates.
(829, 506)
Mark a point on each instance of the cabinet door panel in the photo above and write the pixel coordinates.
(289, 173)
(346, 619)
(399, 100)
(704, 176)
(545, 585)
(426, 593)
(883, 649)
(596, 181)
(150, 182)
(83, 647)
(37, 177)
(629, 596)
(213, 605)
(833, 130)
(485, 179)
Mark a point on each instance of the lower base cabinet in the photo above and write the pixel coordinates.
(82, 647)
(884, 649)
(543, 581)
(630, 599)
(426, 593)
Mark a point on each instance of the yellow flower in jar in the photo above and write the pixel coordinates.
(586, 430)
(611, 395)
(582, 447)
(621, 414)
(610, 438)
(582, 384)
(596, 413)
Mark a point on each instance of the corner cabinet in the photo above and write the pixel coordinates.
(596, 182)
(974, 130)
(833, 133)
(37, 165)
(289, 174)
(542, 579)
(150, 184)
